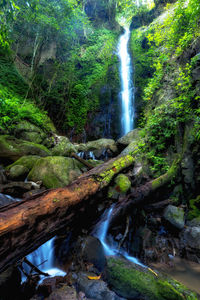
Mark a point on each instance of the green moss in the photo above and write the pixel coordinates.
(118, 165)
(13, 148)
(132, 282)
(55, 171)
(26, 161)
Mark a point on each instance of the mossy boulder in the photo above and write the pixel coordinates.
(98, 146)
(130, 148)
(174, 215)
(18, 172)
(122, 185)
(63, 147)
(55, 171)
(29, 132)
(134, 282)
(129, 137)
(25, 161)
(12, 148)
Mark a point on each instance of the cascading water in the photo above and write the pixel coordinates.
(127, 89)
(43, 258)
(101, 234)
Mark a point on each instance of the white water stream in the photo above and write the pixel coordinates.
(112, 250)
(127, 89)
(43, 258)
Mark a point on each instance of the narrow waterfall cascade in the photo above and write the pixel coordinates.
(43, 258)
(127, 88)
(101, 234)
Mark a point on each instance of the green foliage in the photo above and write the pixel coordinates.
(194, 205)
(156, 50)
(14, 108)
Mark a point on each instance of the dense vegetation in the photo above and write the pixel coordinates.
(63, 57)
(168, 95)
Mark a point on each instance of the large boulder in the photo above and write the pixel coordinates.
(18, 172)
(29, 132)
(26, 161)
(12, 148)
(128, 138)
(63, 147)
(174, 215)
(55, 171)
(100, 148)
(135, 282)
(91, 251)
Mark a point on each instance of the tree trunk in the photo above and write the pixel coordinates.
(26, 225)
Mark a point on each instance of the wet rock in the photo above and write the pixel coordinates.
(63, 147)
(63, 293)
(135, 282)
(29, 132)
(98, 147)
(92, 252)
(174, 215)
(13, 149)
(48, 285)
(55, 171)
(18, 172)
(95, 289)
(27, 161)
(128, 138)
(190, 237)
(194, 222)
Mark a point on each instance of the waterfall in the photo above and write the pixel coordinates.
(43, 258)
(101, 234)
(127, 90)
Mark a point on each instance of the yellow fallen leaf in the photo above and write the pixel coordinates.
(153, 272)
(94, 277)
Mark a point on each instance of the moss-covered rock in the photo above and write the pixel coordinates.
(12, 148)
(26, 161)
(29, 132)
(122, 185)
(174, 215)
(55, 171)
(129, 137)
(134, 282)
(18, 172)
(98, 145)
(64, 147)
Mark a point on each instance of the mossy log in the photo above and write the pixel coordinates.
(141, 193)
(26, 225)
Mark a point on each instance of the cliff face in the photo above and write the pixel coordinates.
(166, 55)
(67, 61)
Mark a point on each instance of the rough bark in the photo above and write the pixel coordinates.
(27, 224)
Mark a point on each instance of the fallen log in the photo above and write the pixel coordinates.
(140, 194)
(26, 225)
